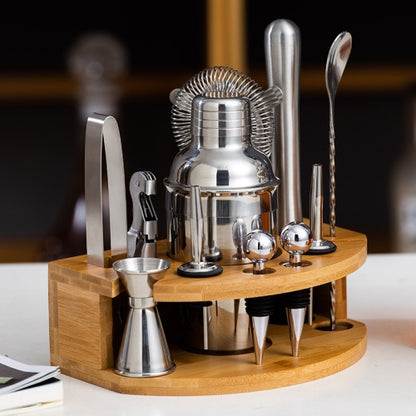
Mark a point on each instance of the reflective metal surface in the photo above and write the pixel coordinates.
(295, 321)
(319, 244)
(143, 354)
(220, 327)
(236, 181)
(144, 351)
(338, 56)
(102, 131)
(259, 309)
(259, 247)
(224, 82)
(296, 238)
(336, 62)
(259, 326)
(198, 266)
(282, 51)
(142, 234)
(138, 274)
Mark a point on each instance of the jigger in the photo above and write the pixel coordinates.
(144, 351)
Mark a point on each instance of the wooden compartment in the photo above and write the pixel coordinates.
(85, 328)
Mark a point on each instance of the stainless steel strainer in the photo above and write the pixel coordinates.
(225, 82)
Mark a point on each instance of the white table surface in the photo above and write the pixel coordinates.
(380, 294)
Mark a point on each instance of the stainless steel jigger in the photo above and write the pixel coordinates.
(259, 246)
(144, 351)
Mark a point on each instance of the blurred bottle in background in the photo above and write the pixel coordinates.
(97, 60)
(403, 187)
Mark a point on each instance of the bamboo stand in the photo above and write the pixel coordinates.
(85, 331)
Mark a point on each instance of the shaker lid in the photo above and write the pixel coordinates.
(223, 82)
(221, 157)
(220, 117)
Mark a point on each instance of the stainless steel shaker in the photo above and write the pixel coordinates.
(239, 190)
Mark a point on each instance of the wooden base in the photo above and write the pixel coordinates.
(321, 353)
(85, 327)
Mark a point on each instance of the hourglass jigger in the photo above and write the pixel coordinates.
(144, 351)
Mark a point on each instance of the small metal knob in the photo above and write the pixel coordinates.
(296, 238)
(259, 246)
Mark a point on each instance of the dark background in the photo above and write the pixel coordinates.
(42, 139)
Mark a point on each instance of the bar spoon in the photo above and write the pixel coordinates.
(337, 60)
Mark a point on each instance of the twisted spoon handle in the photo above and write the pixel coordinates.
(333, 310)
(332, 179)
(332, 206)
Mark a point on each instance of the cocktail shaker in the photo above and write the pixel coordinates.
(237, 185)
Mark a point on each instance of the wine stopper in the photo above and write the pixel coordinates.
(296, 239)
(296, 305)
(259, 246)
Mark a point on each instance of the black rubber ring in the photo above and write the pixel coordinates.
(209, 273)
(312, 251)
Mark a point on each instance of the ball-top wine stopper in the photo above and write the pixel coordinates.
(259, 246)
(296, 238)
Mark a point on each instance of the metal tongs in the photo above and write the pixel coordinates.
(142, 235)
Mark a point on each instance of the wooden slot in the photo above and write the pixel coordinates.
(85, 324)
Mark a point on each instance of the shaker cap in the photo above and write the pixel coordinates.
(221, 157)
(221, 117)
